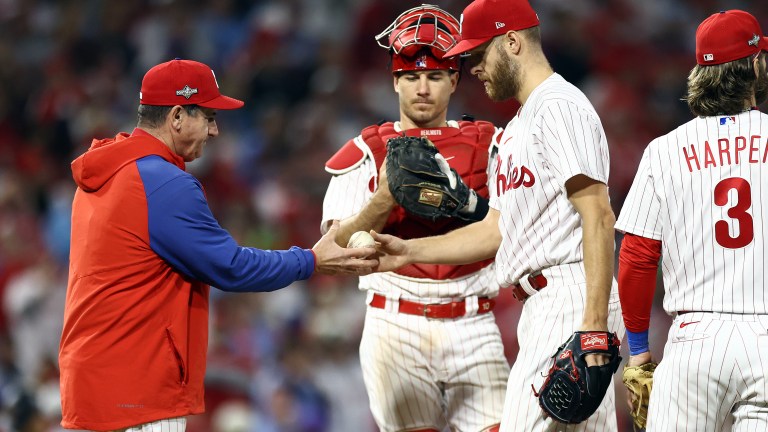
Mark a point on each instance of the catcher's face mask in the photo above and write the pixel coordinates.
(419, 38)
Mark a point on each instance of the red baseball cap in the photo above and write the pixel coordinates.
(485, 19)
(727, 36)
(184, 82)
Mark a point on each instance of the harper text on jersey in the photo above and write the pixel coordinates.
(726, 152)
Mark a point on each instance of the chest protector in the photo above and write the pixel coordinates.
(466, 150)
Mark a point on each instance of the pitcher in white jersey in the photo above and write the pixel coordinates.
(698, 201)
(431, 351)
(550, 223)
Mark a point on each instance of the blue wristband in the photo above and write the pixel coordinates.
(638, 342)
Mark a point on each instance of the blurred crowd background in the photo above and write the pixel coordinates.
(312, 77)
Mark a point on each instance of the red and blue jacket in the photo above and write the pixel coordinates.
(144, 250)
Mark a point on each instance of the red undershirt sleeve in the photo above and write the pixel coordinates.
(638, 267)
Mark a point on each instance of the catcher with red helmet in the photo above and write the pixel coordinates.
(431, 351)
(419, 37)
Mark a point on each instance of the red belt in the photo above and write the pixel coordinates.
(436, 310)
(537, 282)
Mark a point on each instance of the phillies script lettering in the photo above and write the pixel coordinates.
(725, 151)
(514, 177)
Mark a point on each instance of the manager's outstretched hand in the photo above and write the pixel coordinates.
(331, 259)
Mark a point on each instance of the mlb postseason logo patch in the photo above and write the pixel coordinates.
(421, 62)
(594, 341)
(727, 121)
(187, 92)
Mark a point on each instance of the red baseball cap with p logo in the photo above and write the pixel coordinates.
(727, 36)
(485, 19)
(184, 82)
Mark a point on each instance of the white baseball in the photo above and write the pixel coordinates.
(361, 239)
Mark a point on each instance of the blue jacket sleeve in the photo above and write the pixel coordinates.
(183, 232)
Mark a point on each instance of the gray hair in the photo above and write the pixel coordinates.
(154, 115)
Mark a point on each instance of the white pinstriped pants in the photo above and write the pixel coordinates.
(418, 371)
(714, 373)
(178, 424)
(548, 319)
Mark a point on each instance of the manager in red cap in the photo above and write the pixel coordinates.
(144, 250)
(549, 227)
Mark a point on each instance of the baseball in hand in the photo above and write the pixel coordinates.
(361, 239)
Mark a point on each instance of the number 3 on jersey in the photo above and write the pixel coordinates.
(737, 212)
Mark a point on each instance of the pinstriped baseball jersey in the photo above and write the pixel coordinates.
(703, 190)
(424, 373)
(556, 135)
(346, 195)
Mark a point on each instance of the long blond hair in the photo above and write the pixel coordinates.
(722, 89)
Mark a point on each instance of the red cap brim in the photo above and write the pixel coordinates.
(466, 45)
(763, 43)
(223, 102)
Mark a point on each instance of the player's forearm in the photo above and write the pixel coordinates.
(598, 250)
(468, 244)
(598, 266)
(590, 199)
(373, 216)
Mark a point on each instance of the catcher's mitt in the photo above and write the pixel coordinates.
(573, 391)
(421, 181)
(639, 381)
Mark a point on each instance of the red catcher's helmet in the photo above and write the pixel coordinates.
(419, 37)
